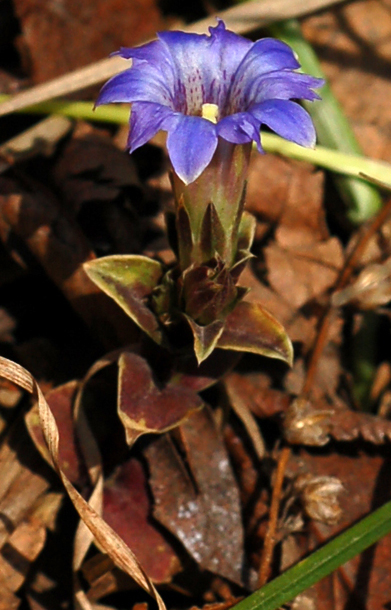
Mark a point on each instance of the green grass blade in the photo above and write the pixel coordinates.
(320, 563)
(333, 129)
(333, 160)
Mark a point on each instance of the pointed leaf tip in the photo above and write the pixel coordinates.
(205, 337)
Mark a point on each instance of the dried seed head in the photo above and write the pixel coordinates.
(319, 495)
(304, 425)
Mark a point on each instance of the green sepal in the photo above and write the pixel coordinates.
(251, 328)
(246, 232)
(212, 236)
(129, 280)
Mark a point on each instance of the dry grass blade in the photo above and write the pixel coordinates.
(92, 458)
(108, 540)
(241, 19)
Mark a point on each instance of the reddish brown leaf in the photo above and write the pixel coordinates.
(126, 507)
(203, 509)
(143, 407)
(61, 401)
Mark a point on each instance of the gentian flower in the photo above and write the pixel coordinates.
(200, 89)
(211, 94)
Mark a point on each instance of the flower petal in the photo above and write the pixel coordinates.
(146, 120)
(265, 56)
(282, 85)
(206, 65)
(240, 128)
(136, 84)
(288, 119)
(191, 144)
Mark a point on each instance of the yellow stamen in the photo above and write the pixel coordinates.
(210, 112)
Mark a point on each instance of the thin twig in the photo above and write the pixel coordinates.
(270, 538)
(241, 19)
(324, 326)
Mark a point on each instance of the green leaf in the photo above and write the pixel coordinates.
(251, 328)
(309, 571)
(129, 280)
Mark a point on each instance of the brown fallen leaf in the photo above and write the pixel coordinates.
(95, 29)
(200, 506)
(61, 248)
(20, 484)
(364, 581)
(353, 45)
(303, 273)
(26, 542)
(127, 508)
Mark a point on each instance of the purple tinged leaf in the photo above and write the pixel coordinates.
(143, 407)
(251, 328)
(127, 508)
(129, 280)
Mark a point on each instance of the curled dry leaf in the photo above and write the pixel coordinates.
(347, 425)
(107, 539)
(201, 507)
(254, 389)
(305, 424)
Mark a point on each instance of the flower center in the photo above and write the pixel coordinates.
(210, 112)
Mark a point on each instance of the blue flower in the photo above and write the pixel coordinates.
(174, 79)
